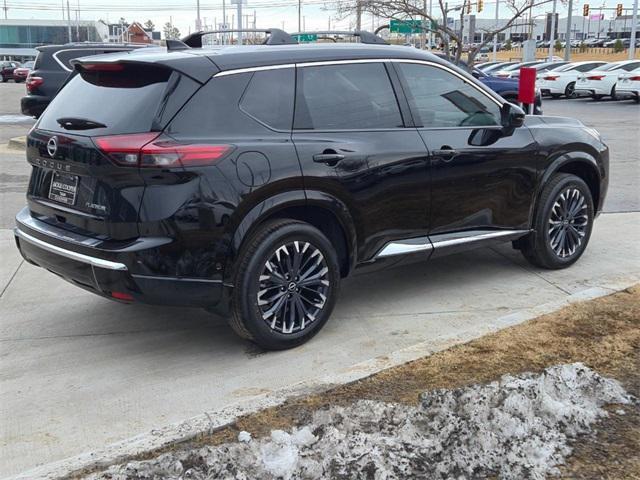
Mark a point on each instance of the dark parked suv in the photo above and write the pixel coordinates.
(53, 67)
(249, 180)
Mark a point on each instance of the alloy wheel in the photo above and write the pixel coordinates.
(293, 287)
(568, 222)
(571, 90)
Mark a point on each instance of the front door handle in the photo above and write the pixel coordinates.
(446, 153)
(329, 156)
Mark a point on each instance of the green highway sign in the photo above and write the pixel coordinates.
(306, 37)
(405, 26)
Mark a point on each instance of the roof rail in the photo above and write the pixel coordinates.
(365, 37)
(276, 36)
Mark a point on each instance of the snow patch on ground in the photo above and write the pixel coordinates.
(515, 428)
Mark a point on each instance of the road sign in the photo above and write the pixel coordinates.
(306, 37)
(405, 26)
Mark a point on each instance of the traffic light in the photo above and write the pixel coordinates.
(585, 10)
(619, 10)
(480, 5)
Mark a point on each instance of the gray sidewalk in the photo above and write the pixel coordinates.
(79, 372)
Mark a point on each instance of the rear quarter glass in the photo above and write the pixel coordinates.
(135, 100)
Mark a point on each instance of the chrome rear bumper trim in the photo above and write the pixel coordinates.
(79, 257)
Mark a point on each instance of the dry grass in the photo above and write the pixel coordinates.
(603, 333)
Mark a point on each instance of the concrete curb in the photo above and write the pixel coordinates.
(18, 143)
(209, 422)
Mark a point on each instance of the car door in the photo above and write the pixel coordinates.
(355, 145)
(480, 179)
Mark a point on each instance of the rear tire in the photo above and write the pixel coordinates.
(286, 285)
(597, 97)
(570, 90)
(555, 95)
(613, 93)
(562, 224)
(5, 79)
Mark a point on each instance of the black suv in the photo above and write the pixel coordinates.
(53, 67)
(248, 180)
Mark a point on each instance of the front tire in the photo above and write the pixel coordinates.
(562, 225)
(286, 285)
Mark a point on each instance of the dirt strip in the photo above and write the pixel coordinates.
(604, 334)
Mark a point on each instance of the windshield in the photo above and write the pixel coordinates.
(608, 66)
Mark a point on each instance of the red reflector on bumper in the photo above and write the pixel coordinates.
(122, 296)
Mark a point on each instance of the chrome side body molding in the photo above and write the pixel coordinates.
(446, 243)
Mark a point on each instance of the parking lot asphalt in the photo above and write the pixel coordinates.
(78, 371)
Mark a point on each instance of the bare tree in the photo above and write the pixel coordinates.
(414, 10)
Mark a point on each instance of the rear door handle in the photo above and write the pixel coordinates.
(330, 158)
(445, 154)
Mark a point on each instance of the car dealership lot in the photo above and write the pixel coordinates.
(79, 371)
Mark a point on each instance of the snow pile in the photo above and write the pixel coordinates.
(518, 427)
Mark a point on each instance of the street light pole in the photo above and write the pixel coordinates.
(299, 15)
(634, 29)
(552, 34)
(567, 36)
(495, 39)
(198, 22)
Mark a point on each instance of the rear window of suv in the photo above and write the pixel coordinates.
(136, 100)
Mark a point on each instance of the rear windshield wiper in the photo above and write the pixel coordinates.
(73, 123)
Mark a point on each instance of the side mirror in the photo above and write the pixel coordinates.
(512, 117)
(475, 74)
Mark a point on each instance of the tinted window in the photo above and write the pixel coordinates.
(269, 98)
(442, 99)
(587, 67)
(131, 101)
(631, 66)
(338, 97)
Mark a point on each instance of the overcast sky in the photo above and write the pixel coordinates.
(269, 13)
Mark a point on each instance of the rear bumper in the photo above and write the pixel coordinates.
(103, 269)
(33, 105)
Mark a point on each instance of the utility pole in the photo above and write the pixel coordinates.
(358, 15)
(5, 9)
(552, 34)
(495, 39)
(198, 22)
(69, 22)
(423, 36)
(430, 31)
(239, 22)
(567, 36)
(299, 15)
(634, 29)
(224, 20)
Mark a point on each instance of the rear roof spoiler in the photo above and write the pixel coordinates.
(365, 37)
(275, 37)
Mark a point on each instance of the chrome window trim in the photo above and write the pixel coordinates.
(78, 257)
(359, 61)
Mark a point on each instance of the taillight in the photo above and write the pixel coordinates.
(635, 78)
(33, 82)
(551, 77)
(151, 150)
(595, 77)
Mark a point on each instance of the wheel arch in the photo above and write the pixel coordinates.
(325, 212)
(581, 164)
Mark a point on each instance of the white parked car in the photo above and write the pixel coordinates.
(629, 85)
(514, 70)
(562, 81)
(601, 82)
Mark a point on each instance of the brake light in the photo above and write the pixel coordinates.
(551, 77)
(595, 77)
(151, 150)
(33, 82)
(103, 67)
(635, 78)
